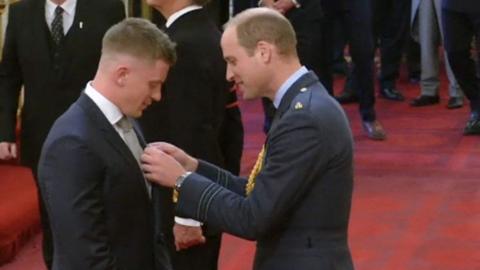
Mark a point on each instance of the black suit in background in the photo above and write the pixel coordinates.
(307, 21)
(241, 5)
(198, 112)
(219, 11)
(96, 197)
(299, 209)
(52, 77)
(391, 27)
(461, 23)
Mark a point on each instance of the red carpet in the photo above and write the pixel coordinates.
(19, 219)
(416, 200)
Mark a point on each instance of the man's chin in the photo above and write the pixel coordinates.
(249, 96)
(136, 114)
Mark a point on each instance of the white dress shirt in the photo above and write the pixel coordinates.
(68, 13)
(110, 110)
(179, 13)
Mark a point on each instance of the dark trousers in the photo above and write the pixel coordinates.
(391, 26)
(311, 37)
(459, 30)
(413, 58)
(355, 18)
(339, 41)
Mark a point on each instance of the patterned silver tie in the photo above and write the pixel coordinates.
(131, 140)
(57, 26)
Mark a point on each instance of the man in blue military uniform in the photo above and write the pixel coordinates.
(296, 202)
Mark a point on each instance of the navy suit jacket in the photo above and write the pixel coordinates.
(470, 6)
(52, 80)
(299, 209)
(95, 194)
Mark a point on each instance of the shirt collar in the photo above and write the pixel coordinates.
(180, 13)
(110, 110)
(286, 85)
(68, 7)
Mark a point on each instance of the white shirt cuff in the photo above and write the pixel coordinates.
(188, 222)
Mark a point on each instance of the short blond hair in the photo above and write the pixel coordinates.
(264, 24)
(139, 38)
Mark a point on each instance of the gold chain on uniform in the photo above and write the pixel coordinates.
(255, 171)
(251, 179)
(175, 196)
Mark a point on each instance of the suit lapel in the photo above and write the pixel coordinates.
(138, 131)
(143, 144)
(73, 37)
(81, 10)
(107, 129)
(113, 137)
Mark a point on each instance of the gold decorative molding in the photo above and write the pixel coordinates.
(146, 11)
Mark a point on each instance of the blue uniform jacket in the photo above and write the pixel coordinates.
(299, 210)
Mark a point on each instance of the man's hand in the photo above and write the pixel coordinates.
(160, 167)
(8, 150)
(283, 6)
(187, 236)
(188, 162)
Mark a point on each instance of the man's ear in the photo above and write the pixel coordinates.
(121, 74)
(264, 50)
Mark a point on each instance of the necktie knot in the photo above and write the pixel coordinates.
(125, 124)
(58, 11)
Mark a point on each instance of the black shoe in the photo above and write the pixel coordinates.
(347, 96)
(425, 101)
(391, 94)
(473, 125)
(455, 103)
(374, 130)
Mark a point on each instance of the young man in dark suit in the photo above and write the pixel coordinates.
(296, 203)
(199, 112)
(52, 48)
(98, 201)
(461, 23)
